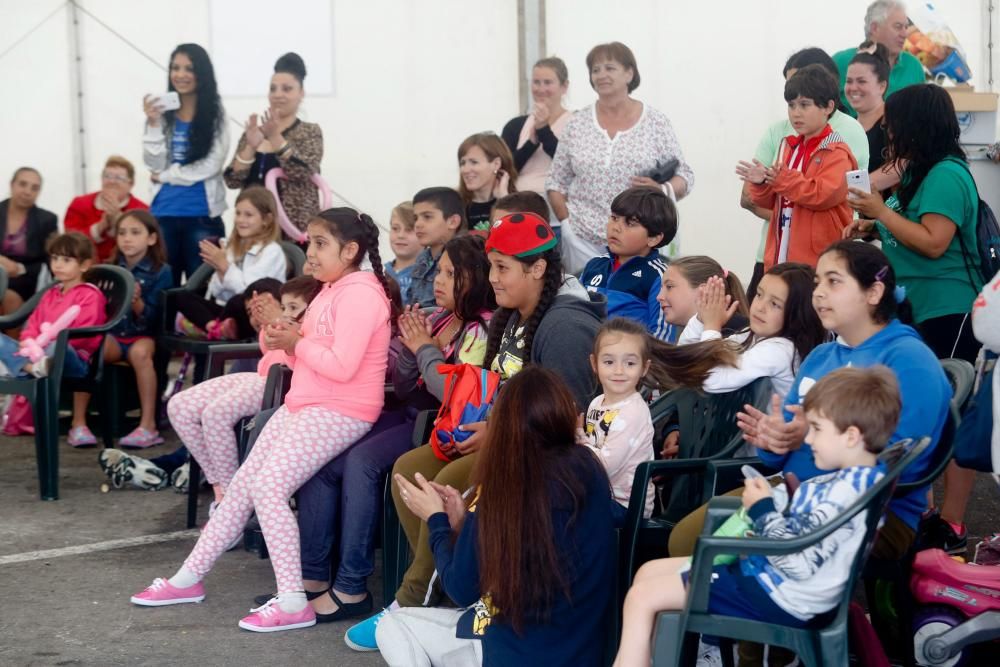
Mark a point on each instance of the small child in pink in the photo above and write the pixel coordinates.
(618, 427)
(205, 415)
(70, 257)
(339, 357)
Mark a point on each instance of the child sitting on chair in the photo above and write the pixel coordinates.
(851, 414)
(70, 302)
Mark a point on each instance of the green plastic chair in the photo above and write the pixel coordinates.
(822, 643)
(708, 432)
(117, 285)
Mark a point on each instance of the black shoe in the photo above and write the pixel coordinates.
(346, 610)
(936, 533)
(261, 600)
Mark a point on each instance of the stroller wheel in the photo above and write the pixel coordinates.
(928, 623)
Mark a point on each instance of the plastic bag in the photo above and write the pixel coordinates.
(935, 44)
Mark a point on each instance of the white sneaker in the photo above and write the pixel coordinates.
(41, 368)
(122, 468)
(708, 655)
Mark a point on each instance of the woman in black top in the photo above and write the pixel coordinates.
(533, 137)
(24, 229)
(866, 83)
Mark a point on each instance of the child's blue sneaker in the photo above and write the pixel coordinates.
(361, 636)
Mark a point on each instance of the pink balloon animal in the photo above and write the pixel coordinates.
(34, 348)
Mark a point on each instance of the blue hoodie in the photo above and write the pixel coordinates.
(924, 390)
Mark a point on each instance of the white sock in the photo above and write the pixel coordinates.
(184, 578)
(292, 603)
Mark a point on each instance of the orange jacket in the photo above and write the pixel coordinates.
(819, 202)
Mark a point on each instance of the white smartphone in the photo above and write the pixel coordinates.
(858, 179)
(167, 101)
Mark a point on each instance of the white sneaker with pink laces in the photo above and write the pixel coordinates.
(162, 593)
(269, 617)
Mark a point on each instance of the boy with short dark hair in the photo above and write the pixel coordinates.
(852, 412)
(521, 202)
(643, 219)
(805, 188)
(440, 216)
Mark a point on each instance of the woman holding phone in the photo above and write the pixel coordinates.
(185, 148)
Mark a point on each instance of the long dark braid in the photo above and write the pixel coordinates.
(376, 259)
(552, 281)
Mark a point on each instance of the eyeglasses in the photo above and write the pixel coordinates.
(115, 178)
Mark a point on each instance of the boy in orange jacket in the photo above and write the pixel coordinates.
(806, 187)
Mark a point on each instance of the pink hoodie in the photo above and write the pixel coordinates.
(341, 360)
(93, 312)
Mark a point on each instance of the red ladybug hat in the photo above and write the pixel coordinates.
(520, 235)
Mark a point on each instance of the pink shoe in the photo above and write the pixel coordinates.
(81, 436)
(140, 438)
(270, 618)
(162, 593)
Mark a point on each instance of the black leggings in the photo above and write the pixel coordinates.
(950, 336)
(200, 311)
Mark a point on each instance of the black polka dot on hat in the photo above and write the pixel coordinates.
(517, 217)
(542, 231)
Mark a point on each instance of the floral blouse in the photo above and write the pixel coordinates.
(590, 168)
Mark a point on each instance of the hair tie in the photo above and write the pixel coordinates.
(899, 293)
(882, 273)
(725, 273)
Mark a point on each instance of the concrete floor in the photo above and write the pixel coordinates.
(72, 608)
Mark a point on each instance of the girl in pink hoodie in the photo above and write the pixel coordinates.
(70, 257)
(339, 355)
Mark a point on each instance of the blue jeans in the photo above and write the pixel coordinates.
(350, 487)
(73, 365)
(181, 235)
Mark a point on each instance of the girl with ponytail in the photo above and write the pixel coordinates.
(543, 319)
(339, 353)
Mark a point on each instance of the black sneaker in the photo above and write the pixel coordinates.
(936, 533)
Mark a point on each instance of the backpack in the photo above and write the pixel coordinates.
(469, 392)
(987, 241)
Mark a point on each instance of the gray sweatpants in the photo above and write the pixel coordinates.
(425, 637)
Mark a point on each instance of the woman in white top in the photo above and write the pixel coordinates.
(616, 143)
(186, 149)
(534, 137)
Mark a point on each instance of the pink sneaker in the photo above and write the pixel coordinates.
(162, 593)
(270, 618)
(140, 438)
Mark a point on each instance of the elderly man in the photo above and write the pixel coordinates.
(885, 23)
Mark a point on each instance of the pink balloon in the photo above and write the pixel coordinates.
(271, 183)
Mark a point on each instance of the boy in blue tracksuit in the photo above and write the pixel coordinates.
(925, 394)
(643, 219)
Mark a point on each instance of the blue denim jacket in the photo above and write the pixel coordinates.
(422, 279)
(151, 283)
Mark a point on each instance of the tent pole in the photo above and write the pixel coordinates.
(530, 45)
(76, 90)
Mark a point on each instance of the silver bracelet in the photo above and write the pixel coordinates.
(242, 161)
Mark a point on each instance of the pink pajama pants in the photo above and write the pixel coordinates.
(205, 415)
(292, 447)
